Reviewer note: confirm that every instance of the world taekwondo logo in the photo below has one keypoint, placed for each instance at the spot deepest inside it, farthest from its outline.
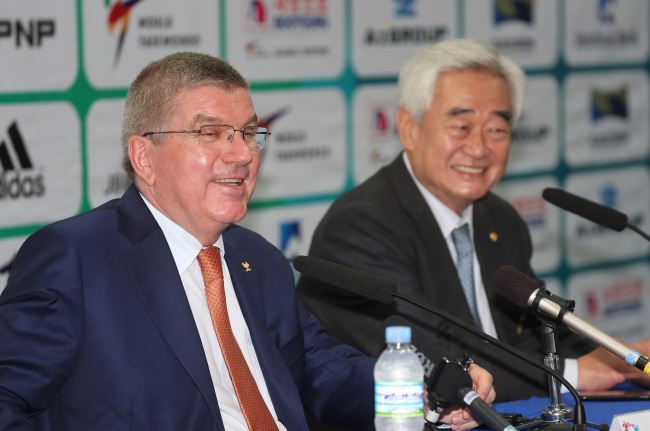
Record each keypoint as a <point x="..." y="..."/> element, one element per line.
<point x="120" y="14"/>
<point x="605" y="14"/>
<point x="513" y="10"/>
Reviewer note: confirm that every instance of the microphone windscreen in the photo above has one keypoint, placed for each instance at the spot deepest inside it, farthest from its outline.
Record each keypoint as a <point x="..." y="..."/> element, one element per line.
<point x="599" y="214"/>
<point x="514" y="285"/>
<point x="371" y="286"/>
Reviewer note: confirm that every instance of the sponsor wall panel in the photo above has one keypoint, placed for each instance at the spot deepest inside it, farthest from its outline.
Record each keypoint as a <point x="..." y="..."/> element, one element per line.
<point x="607" y="117"/>
<point x="120" y="38"/>
<point x="605" y="32"/>
<point x="38" y="51"/>
<point x="396" y="30"/>
<point x="290" y="228"/>
<point x="106" y="178"/>
<point x="616" y="301"/>
<point x="625" y="190"/>
<point x="306" y="154"/>
<point x="286" y="40"/>
<point x="525" y="31"/>
<point x="375" y="130"/>
<point x="41" y="160"/>
<point x="323" y="76"/>
<point x="541" y="218"/>
<point x="535" y="136"/>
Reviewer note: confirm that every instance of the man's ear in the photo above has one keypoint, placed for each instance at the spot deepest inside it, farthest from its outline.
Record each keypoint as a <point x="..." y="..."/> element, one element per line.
<point x="407" y="128"/>
<point x="139" y="154"/>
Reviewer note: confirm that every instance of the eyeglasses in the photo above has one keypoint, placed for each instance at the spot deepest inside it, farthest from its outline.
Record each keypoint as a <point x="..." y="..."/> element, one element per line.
<point x="219" y="136"/>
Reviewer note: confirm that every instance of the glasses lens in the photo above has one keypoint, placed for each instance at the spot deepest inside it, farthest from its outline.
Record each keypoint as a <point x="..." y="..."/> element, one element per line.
<point x="219" y="136"/>
<point x="216" y="136"/>
<point x="255" y="137"/>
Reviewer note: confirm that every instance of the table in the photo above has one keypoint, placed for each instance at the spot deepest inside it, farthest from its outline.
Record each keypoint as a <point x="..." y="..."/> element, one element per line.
<point x="600" y="412"/>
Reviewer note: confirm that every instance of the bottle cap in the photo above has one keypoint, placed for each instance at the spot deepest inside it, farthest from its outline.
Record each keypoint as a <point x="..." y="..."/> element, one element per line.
<point x="398" y="334"/>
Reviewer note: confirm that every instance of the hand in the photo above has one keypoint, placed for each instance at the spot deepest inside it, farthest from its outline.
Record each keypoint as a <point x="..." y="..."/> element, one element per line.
<point x="601" y="370"/>
<point x="461" y="417"/>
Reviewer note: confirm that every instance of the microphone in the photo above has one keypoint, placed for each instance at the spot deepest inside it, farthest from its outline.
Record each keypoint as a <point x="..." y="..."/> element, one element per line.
<point x="449" y="382"/>
<point x="597" y="213"/>
<point x="526" y="292"/>
<point x="384" y="290"/>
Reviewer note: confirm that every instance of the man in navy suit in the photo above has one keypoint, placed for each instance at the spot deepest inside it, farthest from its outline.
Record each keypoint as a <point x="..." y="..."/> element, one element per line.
<point x="104" y="323"/>
<point x="458" y="102"/>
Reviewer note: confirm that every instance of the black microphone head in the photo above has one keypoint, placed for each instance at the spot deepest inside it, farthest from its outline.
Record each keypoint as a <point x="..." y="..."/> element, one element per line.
<point x="514" y="285"/>
<point x="599" y="214"/>
<point x="371" y="286"/>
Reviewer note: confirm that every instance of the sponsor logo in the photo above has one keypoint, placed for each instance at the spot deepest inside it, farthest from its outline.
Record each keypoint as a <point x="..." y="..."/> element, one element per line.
<point x="608" y="104"/>
<point x="18" y="179"/>
<point x="506" y="11"/>
<point x="532" y="209"/>
<point x="120" y="14"/>
<point x="611" y="104"/>
<point x="605" y="13"/>
<point x="257" y="14"/>
<point x="285" y="15"/>
<point x="286" y="141"/>
<point x="154" y="31"/>
<point x="513" y="10"/>
<point x="381" y="123"/>
<point x="31" y="33"/>
<point x="618" y="299"/>
<point x="404" y="35"/>
<point x="405" y="8"/>
<point x="607" y="37"/>
<point x="289" y="232"/>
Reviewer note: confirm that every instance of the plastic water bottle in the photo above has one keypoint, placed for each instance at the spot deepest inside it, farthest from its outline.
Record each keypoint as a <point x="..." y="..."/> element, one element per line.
<point x="399" y="392"/>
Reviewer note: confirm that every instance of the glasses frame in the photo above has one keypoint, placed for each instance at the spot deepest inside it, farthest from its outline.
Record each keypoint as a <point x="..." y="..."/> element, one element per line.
<point x="265" y="131"/>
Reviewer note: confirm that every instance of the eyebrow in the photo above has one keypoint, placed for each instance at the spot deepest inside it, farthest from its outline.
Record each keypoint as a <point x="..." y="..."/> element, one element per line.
<point x="455" y="112"/>
<point x="205" y="119"/>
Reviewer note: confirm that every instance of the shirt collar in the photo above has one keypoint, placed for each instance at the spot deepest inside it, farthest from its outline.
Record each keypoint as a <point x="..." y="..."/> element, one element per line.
<point x="183" y="245"/>
<point x="447" y="219"/>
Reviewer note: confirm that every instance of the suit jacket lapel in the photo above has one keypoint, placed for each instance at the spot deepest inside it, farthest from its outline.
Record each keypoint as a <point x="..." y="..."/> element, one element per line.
<point x="153" y="271"/>
<point x="446" y="289"/>
<point x="248" y="288"/>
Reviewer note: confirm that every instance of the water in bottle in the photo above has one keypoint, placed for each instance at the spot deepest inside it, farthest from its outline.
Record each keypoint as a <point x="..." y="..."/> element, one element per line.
<point x="399" y="393"/>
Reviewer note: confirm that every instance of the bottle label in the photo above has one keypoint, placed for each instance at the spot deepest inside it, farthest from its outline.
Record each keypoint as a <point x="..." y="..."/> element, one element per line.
<point x="404" y="399"/>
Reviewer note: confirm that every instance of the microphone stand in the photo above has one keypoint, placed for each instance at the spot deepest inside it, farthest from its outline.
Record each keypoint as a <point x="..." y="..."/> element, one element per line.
<point x="556" y="411"/>
<point x="579" y="421"/>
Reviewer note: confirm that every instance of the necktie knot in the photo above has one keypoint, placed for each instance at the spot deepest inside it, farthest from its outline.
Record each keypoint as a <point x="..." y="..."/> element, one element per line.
<point x="210" y="262"/>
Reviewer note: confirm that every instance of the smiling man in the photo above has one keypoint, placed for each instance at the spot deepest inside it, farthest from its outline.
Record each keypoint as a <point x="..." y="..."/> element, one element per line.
<point x="429" y="221"/>
<point x="154" y="311"/>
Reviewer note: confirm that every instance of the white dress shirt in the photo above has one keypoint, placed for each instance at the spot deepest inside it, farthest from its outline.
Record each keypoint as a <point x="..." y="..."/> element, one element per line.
<point x="448" y="220"/>
<point x="185" y="248"/>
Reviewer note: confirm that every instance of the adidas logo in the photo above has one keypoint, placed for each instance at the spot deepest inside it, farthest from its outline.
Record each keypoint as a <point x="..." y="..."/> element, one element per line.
<point x="14" y="181"/>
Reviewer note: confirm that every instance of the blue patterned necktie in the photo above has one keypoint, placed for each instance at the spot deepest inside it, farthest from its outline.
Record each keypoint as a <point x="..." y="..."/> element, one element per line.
<point x="465" y="267"/>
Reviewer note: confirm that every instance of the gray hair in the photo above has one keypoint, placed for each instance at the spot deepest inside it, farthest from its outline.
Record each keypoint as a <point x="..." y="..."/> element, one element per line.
<point x="150" y="100"/>
<point x="418" y="77"/>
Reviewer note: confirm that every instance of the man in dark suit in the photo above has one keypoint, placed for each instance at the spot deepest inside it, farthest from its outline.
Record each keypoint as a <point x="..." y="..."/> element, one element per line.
<point x="458" y="101"/>
<point x="154" y="311"/>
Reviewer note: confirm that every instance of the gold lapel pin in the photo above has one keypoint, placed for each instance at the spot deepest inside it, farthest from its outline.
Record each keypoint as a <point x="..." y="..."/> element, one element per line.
<point x="245" y="265"/>
<point x="494" y="237"/>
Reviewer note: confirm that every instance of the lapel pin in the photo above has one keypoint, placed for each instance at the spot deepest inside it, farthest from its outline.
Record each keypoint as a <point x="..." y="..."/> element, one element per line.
<point x="246" y="265"/>
<point x="494" y="237"/>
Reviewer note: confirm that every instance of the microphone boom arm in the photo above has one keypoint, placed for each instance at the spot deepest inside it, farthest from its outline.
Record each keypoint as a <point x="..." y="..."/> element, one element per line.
<point x="579" y="411"/>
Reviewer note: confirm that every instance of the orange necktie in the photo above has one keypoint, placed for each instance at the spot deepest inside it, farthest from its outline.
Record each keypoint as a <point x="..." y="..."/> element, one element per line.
<point x="256" y="413"/>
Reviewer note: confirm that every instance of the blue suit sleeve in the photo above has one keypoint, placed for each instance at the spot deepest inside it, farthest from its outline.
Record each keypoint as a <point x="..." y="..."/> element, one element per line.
<point x="41" y="327"/>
